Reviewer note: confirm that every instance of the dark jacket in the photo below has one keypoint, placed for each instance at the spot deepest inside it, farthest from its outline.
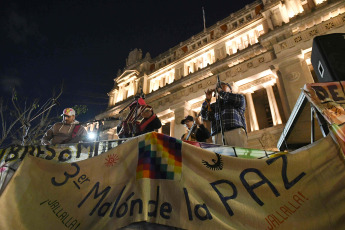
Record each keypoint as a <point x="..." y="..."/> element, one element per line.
<point x="199" y="133"/>
<point x="232" y="108"/>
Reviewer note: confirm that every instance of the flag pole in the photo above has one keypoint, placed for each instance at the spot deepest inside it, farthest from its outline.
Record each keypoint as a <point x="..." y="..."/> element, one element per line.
<point x="203" y="15"/>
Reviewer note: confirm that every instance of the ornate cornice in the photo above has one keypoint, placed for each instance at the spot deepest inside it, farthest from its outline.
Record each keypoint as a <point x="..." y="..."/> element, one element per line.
<point x="306" y="35"/>
<point x="257" y="84"/>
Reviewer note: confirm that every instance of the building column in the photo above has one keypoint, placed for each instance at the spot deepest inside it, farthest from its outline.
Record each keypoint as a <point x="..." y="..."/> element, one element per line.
<point x="120" y="94"/>
<point x="267" y="15"/>
<point x="116" y="94"/>
<point x="145" y="83"/>
<point x="111" y="100"/>
<point x="131" y="89"/>
<point x="172" y="128"/>
<point x="284" y="13"/>
<point x="294" y="74"/>
<point x="180" y="111"/>
<point x="273" y="105"/>
<point x="252" y="114"/>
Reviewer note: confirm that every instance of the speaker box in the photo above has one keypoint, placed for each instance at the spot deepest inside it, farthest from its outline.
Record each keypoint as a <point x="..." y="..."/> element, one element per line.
<point x="328" y="57"/>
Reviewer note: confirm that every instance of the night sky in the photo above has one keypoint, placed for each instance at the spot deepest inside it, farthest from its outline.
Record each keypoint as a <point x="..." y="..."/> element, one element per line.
<point x="84" y="43"/>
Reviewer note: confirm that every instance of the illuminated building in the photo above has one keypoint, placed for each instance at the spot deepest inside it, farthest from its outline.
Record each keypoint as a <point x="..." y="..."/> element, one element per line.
<point x="263" y="51"/>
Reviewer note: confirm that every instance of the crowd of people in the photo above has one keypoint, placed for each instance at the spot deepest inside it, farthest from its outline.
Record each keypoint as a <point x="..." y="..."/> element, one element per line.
<point x="226" y="115"/>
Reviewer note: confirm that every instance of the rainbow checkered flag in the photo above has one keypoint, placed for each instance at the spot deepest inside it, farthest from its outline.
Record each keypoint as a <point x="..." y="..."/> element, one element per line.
<point x="160" y="157"/>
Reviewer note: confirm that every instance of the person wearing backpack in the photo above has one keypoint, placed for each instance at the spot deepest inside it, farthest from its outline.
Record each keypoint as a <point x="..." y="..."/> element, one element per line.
<point x="67" y="131"/>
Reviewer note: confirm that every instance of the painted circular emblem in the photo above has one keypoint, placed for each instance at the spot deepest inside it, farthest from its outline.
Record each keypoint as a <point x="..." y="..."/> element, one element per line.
<point x="111" y="160"/>
<point x="294" y="76"/>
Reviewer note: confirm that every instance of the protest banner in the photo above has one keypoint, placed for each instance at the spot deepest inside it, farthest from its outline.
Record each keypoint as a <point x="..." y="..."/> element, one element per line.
<point x="159" y="179"/>
<point x="12" y="156"/>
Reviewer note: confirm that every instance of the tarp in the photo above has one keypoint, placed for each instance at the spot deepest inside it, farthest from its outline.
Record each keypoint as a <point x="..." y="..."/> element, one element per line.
<point x="159" y="179"/>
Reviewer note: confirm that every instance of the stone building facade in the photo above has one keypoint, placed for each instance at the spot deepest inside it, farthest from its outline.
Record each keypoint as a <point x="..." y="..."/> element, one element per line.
<point x="263" y="51"/>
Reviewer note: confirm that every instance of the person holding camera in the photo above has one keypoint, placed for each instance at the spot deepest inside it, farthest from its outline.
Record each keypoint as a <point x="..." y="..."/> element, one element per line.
<point x="196" y="131"/>
<point x="229" y="108"/>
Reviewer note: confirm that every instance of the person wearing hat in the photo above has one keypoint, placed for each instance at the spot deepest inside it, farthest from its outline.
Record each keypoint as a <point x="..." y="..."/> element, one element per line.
<point x="232" y="108"/>
<point x="149" y="123"/>
<point x="67" y="131"/>
<point x="195" y="130"/>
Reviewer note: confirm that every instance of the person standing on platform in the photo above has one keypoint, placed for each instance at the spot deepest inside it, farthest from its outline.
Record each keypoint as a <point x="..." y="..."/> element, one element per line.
<point x="67" y="131"/>
<point x="195" y="130"/>
<point x="232" y="108"/>
<point x="149" y="123"/>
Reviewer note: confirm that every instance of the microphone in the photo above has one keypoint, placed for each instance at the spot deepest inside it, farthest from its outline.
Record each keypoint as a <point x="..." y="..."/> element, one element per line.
<point x="111" y="119"/>
<point x="104" y="119"/>
<point x="142" y="95"/>
<point x="219" y="86"/>
<point x="218" y="83"/>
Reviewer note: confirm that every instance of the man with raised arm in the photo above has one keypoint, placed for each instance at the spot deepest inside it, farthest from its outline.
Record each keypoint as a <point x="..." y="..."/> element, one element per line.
<point x="232" y="108"/>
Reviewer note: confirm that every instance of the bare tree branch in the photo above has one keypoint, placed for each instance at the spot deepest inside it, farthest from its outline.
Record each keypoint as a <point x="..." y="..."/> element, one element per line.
<point x="24" y="122"/>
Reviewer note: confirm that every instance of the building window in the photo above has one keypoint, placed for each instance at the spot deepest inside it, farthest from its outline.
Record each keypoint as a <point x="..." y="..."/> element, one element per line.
<point x="125" y="92"/>
<point x="279" y="104"/>
<point x="245" y="42"/>
<point x="162" y="80"/>
<point x="179" y="72"/>
<point x="166" y="129"/>
<point x="200" y="62"/>
<point x="262" y="108"/>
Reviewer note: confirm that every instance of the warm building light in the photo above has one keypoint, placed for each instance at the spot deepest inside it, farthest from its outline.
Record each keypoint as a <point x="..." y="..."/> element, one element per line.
<point x="119" y="96"/>
<point x="269" y="83"/>
<point x="165" y="112"/>
<point x="260" y="28"/>
<point x="250" y="90"/>
<point x="161" y="80"/>
<point x="197" y="110"/>
<point x="130" y="90"/>
<point x="291" y="13"/>
<point x="239" y="43"/>
<point x="319" y="1"/>
<point x="254" y="77"/>
<point x="199" y="62"/>
<point x="196" y="100"/>
<point x="306" y="51"/>
<point x="169" y="120"/>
